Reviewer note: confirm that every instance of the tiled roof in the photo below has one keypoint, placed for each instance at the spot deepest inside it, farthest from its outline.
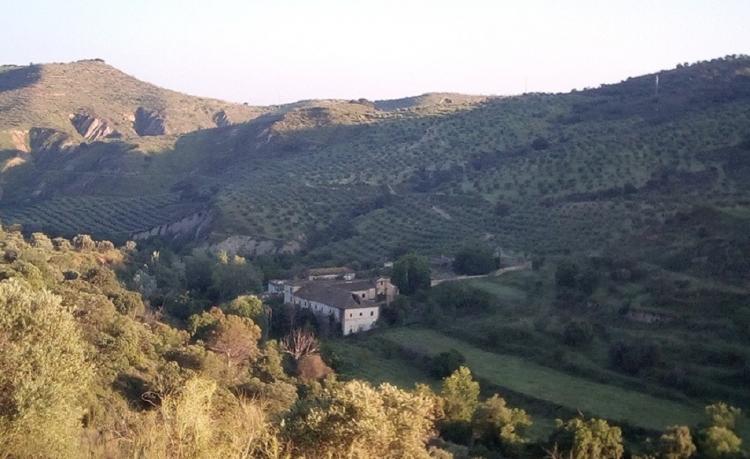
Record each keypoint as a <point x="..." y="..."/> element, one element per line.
<point x="355" y="285"/>
<point x="332" y="295"/>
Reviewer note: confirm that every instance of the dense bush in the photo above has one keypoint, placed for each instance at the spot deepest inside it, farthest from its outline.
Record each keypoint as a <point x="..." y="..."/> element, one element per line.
<point x="588" y="439"/>
<point x="473" y="260"/>
<point x="632" y="358"/>
<point x="455" y="298"/>
<point x="445" y="363"/>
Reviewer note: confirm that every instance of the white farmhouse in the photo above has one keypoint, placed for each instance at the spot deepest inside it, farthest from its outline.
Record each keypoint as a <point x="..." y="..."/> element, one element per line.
<point x="354" y="304"/>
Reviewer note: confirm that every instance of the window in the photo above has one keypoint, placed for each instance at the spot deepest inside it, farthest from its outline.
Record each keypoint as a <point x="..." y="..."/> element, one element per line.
<point x="350" y="314"/>
<point x="360" y="314"/>
<point x="363" y="295"/>
<point x="372" y="313"/>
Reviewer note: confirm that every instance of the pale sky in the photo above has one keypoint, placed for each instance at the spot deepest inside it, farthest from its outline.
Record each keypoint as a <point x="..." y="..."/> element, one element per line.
<point x="266" y="52"/>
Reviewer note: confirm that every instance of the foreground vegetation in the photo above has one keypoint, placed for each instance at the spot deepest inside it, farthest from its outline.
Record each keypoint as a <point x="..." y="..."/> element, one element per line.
<point x="91" y="370"/>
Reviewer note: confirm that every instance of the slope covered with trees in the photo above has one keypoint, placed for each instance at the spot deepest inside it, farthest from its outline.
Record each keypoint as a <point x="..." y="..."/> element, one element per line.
<point x="535" y="173"/>
<point x="91" y="370"/>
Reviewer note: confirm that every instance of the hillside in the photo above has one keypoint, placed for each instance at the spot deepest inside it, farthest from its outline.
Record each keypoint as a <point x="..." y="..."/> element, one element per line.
<point x="90" y="100"/>
<point x="343" y="180"/>
<point x="628" y="205"/>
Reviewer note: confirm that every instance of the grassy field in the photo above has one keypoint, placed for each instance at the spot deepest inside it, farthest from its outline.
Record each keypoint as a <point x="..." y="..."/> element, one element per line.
<point x="556" y="387"/>
<point x="364" y="359"/>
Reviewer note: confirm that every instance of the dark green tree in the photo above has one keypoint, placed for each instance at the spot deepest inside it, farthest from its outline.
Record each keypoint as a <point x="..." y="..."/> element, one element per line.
<point x="474" y="260"/>
<point x="411" y="273"/>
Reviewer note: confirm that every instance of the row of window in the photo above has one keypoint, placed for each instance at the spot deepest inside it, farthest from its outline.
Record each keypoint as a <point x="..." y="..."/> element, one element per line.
<point x="372" y="313"/>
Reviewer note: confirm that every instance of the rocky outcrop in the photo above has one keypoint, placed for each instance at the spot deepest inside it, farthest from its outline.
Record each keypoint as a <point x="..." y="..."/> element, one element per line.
<point x="91" y="127"/>
<point x="221" y="119"/>
<point x="46" y="139"/>
<point x="250" y="246"/>
<point x="190" y="227"/>
<point x="149" y="122"/>
<point x="20" y="140"/>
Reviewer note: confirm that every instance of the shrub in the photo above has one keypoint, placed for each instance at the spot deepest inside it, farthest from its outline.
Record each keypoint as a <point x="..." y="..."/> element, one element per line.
<point x="588" y="439"/>
<point x="128" y="303"/>
<point x="104" y="246"/>
<point x="445" y="363"/>
<point x="459" y="297"/>
<point x="41" y="241"/>
<point x="634" y="357"/>
<point x="83" y="242"/>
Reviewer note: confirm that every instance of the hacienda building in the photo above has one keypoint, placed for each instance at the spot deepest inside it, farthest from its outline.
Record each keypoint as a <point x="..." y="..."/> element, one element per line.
<point x="355" y="304"/>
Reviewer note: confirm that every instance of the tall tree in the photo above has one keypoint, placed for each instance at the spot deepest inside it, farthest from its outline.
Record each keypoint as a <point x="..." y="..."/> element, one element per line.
<point x="461" y="395"/>
<point x="676" y="443"/>
<point x="495" y="423"/>
<point x="411" y="273"/>
<point x="43" y="373"/>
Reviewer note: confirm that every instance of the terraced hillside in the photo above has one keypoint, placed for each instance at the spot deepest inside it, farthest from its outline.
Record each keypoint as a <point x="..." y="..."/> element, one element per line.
<point x="538" y="173"/>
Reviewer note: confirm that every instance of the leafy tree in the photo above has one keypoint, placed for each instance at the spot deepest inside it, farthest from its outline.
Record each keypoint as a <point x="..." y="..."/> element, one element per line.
<point x="236" y="338"/>
<point x="717" y="442"/>
<point x="723" y="415"/>
<point x="43" y="373"/>
<point x="183" y="306"/>
<point x="356" y="420"/>
<point x="248" y="306"/>
<point x="273" y="360"/>
<point x="676" y="443"/>
<point x="198" y="272"/>
<point x="588" y="439"/>
<point x="233" y="276"/>
<point x="473" y="260"/>
<point x="233" y="336"/>
<point x="396" y="311"/>
<point x="718" y="439"/>
<point x="495" y="423"/>
<point x="411" y="273"/>
<point x="461" y="395"/>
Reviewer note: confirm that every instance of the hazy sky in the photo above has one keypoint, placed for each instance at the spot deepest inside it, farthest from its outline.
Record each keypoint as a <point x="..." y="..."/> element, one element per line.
<point x="265" y="52"/>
